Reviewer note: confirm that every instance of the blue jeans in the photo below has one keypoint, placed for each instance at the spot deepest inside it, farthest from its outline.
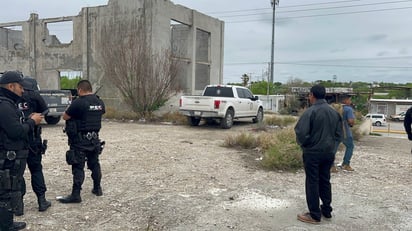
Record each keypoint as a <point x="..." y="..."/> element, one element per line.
<point x="348" y="142"/>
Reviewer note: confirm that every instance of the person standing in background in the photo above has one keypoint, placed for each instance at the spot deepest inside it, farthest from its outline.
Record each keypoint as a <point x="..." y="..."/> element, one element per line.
<point x="348" y="122"/>
<point x="318" y="131"/>
<point x="32" y="102"/>
<point x="407" y="123"/>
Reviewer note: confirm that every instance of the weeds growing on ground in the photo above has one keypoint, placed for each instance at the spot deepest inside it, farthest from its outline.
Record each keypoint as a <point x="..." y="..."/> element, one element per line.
<point x="174" y="117"/>
<point x="282" y="121"/>
<point x="280" y="150"/>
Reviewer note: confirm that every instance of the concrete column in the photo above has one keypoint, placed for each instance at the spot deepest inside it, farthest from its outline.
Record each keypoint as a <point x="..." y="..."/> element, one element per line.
<point x="85" y="43"/>
<point x="32" y="44"/>
<point x="192" y="52"/>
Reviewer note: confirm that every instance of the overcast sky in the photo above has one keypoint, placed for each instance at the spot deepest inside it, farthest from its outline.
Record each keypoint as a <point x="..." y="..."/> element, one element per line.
<point x="346" y="40"/>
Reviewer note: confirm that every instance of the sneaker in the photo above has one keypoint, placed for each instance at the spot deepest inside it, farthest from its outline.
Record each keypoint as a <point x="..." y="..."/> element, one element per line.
<point x="347" y="168"/>
<point x="307" y="218"/>
<point x="333" y="169"/>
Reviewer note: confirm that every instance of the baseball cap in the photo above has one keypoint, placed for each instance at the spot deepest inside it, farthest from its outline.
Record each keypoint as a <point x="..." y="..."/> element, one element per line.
<point x="11" y="77"/>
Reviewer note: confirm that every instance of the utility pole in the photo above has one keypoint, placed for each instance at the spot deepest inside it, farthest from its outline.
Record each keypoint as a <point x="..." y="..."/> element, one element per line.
<point x="274" y="3"/>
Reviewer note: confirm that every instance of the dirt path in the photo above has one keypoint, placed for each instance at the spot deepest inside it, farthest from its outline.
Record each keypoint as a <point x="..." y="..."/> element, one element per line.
<point x="163" y="177"/>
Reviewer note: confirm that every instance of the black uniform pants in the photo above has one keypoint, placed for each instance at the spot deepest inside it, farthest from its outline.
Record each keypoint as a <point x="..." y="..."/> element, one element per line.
<point x="317" y="183"/>
<point x="92" y="159"/>
<point x="36" y="170"/>
<point x="16" y="168"/>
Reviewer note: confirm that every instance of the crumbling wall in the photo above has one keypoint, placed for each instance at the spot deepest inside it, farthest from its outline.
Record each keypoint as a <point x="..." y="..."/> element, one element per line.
<point x="39" y="54"/>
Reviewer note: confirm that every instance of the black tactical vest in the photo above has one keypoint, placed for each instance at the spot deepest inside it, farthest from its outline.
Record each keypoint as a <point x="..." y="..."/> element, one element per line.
<point x="7" y="144"/>
<point x="92" y="119"/>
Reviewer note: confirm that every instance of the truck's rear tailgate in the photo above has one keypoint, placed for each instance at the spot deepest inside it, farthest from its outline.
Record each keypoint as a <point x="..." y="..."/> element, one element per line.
<point x="197" y="103"/>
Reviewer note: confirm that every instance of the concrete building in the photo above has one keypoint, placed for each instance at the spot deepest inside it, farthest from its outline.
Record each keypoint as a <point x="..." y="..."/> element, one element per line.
<point x="37" y="53"/>
<point x="389" y="106"/>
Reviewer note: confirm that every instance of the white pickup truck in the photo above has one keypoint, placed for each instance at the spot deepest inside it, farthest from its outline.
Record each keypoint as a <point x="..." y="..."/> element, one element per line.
<point x="222" y="103"/>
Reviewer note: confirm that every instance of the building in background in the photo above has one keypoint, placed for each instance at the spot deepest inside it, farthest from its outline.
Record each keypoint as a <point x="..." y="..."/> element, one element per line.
<point x="30" y="47"/>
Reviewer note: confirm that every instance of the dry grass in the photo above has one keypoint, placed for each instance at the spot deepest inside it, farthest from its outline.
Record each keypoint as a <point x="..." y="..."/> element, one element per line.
<point x="174" y="117"/>
<point x="281" y="152"/>
<point x="282" y="121"/>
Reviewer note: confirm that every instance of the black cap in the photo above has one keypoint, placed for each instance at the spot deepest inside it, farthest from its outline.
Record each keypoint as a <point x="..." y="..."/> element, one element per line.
<point x="11" y="77"/>
<point x="29" y="84"/>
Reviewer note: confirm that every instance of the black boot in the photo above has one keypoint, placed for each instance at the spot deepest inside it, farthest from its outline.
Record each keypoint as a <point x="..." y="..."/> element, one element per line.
<point x="43" y="203"/>
<point x="97" y="191"/>
<point x="17" y="226"/>
<point x="72" y="198"/>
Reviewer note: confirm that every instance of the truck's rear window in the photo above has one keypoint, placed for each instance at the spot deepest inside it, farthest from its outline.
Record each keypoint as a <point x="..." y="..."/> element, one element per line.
<point x="219" y="91"/>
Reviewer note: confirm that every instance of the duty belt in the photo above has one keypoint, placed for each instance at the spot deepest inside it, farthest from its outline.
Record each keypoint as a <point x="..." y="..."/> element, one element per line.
<point x="12" y="155"/>
<point x="90" y="135"/>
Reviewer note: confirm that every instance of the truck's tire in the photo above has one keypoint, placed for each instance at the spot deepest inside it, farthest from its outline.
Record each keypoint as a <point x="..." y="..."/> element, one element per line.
<point x="227" y="122"/>
<point x="259" y="116"/>
<point x="52" y="119"/>
<point x="193" y="120"/>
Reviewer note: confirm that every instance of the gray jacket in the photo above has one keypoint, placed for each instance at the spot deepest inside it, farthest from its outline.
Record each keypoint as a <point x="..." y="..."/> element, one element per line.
<point x="319" y="129"/>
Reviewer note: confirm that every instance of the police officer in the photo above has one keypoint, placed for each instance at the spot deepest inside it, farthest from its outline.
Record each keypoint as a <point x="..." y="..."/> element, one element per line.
<point x="14" y="132"/>
<point x="83" y="122"/>
<point x="407" y="123"/>
<point x="33" y="102"/>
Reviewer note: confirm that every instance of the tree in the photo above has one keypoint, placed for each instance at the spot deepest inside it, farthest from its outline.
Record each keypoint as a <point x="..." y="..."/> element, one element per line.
<point x="69" y="83"/>
<point x="245" y="79"/>
<point x="146" y="78"/>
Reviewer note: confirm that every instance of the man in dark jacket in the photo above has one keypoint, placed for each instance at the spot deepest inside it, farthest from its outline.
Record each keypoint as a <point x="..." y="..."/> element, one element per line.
<point x="317" y="132"/>
<point x="408" y="122"/>
<point x="14" y="132"/>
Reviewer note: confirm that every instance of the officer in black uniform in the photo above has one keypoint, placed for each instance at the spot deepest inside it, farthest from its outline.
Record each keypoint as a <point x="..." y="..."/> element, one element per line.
<point x="83" y="122"/>
<point x="408" y="122"/>
<point x="33" y="102"/>
<point x="14" y="132"/>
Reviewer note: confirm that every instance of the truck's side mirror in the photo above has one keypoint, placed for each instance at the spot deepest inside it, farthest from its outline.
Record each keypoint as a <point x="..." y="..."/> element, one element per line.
<point x="255" y="98"/>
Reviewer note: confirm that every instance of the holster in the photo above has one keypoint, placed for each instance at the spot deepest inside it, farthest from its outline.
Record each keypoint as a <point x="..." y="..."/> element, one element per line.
<point x="74" y="157"/>
<point x="100" y="147"/>
<point x="43" y="147"/>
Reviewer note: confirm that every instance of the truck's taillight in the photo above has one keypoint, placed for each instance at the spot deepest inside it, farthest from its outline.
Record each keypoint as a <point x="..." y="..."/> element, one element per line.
<point x="180" y="102"/>
<point x="217" y="104"/>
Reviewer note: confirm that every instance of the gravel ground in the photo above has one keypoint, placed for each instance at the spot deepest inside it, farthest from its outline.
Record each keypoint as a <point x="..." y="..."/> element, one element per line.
<point x="168" y="177"/>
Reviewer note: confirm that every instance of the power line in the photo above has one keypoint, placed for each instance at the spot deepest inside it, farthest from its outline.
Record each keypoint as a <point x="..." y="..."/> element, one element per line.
<point x="345" y="65"/>
<point x="301" y="10"/>
<point x="334" y="60"/>
<point x="348" y="6"/>
<point x="316" y="63"/>
<point x="321" y="15"/>
<point x="313" y="4"/>
<point x="322" y="65"/>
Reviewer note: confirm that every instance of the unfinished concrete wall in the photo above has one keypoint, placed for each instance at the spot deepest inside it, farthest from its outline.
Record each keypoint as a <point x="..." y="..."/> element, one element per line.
<point x="37" y="53"/>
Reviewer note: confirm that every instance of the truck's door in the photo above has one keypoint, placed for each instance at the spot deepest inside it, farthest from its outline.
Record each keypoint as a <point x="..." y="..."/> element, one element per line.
<point x="247" y="106"/>
<point x="252" y="108"/>
<point x="243" y="105"/>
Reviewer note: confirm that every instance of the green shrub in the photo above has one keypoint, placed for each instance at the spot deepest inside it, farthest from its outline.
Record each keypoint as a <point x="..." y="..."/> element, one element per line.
<point x="281" y="152"/>
<point x="246" y="141"/>
<point x="284" y="153"/>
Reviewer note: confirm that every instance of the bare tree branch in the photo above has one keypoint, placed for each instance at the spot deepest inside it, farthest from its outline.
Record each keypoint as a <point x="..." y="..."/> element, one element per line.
<point x="145" y="77"/>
